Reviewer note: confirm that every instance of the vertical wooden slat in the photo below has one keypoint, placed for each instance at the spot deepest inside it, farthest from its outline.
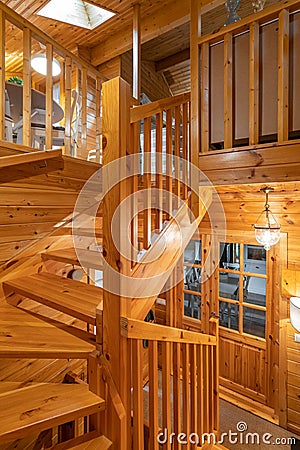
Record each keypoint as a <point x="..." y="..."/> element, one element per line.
<point x="94" y="386"/>
<point x="186" y="389"/>
<point x="177" y="156"/>
<point x="153" y="394"/>
<point x="214" y="330"/>
<point x="169" y="160"/>
<point x="2" y="75"/>
<point x="254" y="84"/>
<point x="138" y="400"/>
<point x="26" y="87"/>
<point x="176" y="392"/>
<point x="283" y="76"/>
<point x="205" y="97"/>
<point x="49" y="96"/>
<point x="84" y="81"/>
<point x="166" y="391"/>
<point x="206" y="399"/>
<point x="193" y="388"/>
<point x="159" y="178"/>
<point x="135" y="149"/>
<point x="62" y="90"/>
<point x="228" y="92"/>
<point x="147" y="182"/>
<point x="136" y="46"/>
<point x="98" y="119"/>
<point x="200" y="381"/>
<point x="68" y="73"/>
<point x="185" y="149"/>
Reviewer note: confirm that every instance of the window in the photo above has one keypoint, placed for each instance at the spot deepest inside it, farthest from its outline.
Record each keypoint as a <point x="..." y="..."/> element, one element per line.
<point x="242" y="288"/>
<point x="192" y="279"/>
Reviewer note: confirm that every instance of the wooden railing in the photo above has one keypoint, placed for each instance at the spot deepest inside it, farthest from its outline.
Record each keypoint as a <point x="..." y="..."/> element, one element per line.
<point x="181" y="393"/>
<point x="248" y="82"/>
<point x="78" y="91"/>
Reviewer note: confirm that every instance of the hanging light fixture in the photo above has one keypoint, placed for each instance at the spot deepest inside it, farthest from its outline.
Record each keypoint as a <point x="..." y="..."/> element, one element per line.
<point x="39" y="64"/>
<point x="295" y="312"/>
<point x="267" y="229"/>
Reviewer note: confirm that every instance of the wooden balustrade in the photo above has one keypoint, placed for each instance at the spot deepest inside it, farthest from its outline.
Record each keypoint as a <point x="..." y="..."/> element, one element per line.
<point x="78" y="90"/>
<point x="248" y="85"/>
<point x="179" y="392"/>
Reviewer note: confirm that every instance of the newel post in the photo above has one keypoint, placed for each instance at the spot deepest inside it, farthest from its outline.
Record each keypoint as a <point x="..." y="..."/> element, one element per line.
<point x="115" y="129"/>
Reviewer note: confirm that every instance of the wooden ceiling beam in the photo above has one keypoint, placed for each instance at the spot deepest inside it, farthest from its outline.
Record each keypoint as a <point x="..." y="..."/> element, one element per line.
<point x="172" y="60"/>
<point x="164" y="19"/>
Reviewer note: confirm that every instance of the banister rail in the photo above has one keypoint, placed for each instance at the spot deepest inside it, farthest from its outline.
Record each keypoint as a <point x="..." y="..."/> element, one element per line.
<point x="78" y="91"/>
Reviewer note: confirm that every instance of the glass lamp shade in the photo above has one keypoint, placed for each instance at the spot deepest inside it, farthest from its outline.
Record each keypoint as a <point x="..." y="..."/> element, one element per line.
<point x="267" y="229"/>
<point x="39" y="64"/>
<point x="295" y="312"/>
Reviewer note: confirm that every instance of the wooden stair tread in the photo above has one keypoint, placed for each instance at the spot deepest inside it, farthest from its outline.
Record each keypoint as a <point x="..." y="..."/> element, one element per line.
<point x="99" y="443"/>
<point x="88" y="258"/>
<point x="71" y="297"/>
<point x="25" y="336"/>
<point x="43" y="406"/>
<point x="25" y="158"/>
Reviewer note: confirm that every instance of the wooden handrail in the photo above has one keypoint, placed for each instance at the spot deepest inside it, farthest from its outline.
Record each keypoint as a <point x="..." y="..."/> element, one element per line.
<point x="143" y="111"/>
<point x="138" y="329"/>
<point x="22" y="23"/>
<point x="260" y="17"/>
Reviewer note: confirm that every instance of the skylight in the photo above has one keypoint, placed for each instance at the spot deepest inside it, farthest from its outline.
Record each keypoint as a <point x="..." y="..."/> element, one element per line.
<point x="76" y="12"/>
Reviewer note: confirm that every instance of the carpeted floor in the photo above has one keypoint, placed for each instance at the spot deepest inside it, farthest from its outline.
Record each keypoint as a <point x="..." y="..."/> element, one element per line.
<point x="234" y="418"/>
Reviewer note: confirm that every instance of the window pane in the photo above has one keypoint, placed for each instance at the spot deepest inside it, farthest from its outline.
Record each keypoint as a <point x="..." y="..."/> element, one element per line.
<point x="255" y="290"/>
<point x="192" y="305"/>
<point x="229" y="315"/>
<point x="254" y="259"/>
<point x="229" y="285"/>
<point x="192" y="253"/>
<point x="230" y="256"/>
<point x="254" y="322"/>
<point x="192" y="279"/>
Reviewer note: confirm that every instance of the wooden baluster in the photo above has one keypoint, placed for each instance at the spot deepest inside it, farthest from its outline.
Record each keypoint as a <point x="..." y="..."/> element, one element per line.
<point x="228" y="92"/>
<point x="159" y="178"/>
<point x="26" y="87"/>
<point x="283" y="76"/>
<point x="205" y="97"/>
<point x="138" y="395"/>
<point x="68" y="73"/>
<point x="176" y="393"/>
<point x="49" y="96"/>
<point x="135" y="146"/>
<point x="84" y="90"/>
<point x="136" y="46"/>
<point x="207" y="399"/>
<point x="185" y="141"/>
<point x="98" y="120"/>
<point x="147" y="182"/>
<point x="200" y="399"/>
<point x="177" y="157"/>
<point x="2" y="75"/>
<point x="186" y="389"/>
<point x="193" y="387"/>
<point x="153" y="394"/>
<point x="166" y="391"/>
<point x="214" y="330"/>
<point x="169" y="160"/>
<point x="254" y="84"/>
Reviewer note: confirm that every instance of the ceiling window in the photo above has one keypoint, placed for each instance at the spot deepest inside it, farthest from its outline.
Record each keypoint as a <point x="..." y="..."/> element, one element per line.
<point x="76" y="12"/>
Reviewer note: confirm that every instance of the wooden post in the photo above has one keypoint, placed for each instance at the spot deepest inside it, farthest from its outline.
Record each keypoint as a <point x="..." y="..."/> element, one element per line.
<point x="98" y="119"/>
<point x="205" y="97"/>
<point x="283" y="76"/>
<point x="26" y="87"/>
<point x="115" y="346"/>
<point x="254" y="84"/>
<point x="214" y="330"/>
<point x="49" y="96"/>
<point x="136" y="69"/>
<point x="84" y="81"/>
<point x="68" y="106"/>
<point x="228" y="91"/>
<point x="2" y="75"/>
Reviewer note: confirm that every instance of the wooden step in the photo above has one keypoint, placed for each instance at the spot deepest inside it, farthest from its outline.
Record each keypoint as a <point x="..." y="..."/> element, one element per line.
<point x="31" y="157"/>
<point x="88" y="258"/>
<point x="99" y="443"/>
<point x="71" y="297"/>
<point x="25" y="336"/>
<point x="42" y="406"/>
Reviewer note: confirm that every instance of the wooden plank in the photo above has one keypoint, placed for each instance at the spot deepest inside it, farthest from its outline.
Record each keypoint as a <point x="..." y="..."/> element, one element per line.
<point x="166" y="390"/>
<point x="169" y="162"/>
<point x="141" y="112"/>
<point x="26" y="87"/>
<point x="83" y="152"/>
<point x="98" y="120"/>
<point x="177" y="155"/>
<point x="283" y="75"/>
<point x="43" y="340"/>
<point x="254" y="84"/>
<point x="48" y="404"/>
<point x="185" y="152"/>
<point x="137" y="329"/>
<point x="88" y="441"/>
<point x="153" y="394"/>
<point x="2" y="75"/>
<point x="147" y="183"/>
<point x="86" y="258"/>
<point x="186" y="388"/>
<point x="49" y="96"/>
<point x="27" y="158"/>
<point x="136" y="50"/>
<point x="205" y="120"/>
<point x="159" y="178"/>
<point x="68" y="88"/>
<point x="138" y="395"/>
<point x="228" y="91"/>
<point x="193" y="390"/>
<point x="176" y="392"/>
<point x="59" y="293"/>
